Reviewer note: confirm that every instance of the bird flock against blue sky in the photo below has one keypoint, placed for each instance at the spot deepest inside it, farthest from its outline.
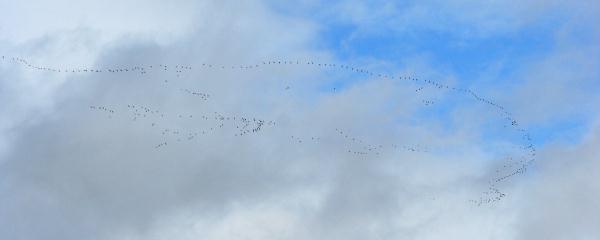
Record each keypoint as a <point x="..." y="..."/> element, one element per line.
<point x="299" y="120"/>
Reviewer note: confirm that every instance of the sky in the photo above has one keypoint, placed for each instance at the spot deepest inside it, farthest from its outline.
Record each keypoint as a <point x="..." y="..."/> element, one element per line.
<point x="299" y="120"/>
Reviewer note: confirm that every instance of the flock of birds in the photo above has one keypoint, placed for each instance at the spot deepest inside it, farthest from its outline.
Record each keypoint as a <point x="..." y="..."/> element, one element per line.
<point x="246" y="125"/>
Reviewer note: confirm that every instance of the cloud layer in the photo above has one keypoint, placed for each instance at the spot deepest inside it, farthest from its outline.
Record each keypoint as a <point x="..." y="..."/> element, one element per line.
<point x="179" y="150"/>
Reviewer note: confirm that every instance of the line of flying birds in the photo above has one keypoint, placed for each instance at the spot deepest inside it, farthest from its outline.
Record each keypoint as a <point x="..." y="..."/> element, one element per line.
<point x="247" y="125"/>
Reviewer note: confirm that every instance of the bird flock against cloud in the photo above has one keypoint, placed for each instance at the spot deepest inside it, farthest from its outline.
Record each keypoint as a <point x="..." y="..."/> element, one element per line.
<point x="192" y="124"/>
<point x="126" y="120"/>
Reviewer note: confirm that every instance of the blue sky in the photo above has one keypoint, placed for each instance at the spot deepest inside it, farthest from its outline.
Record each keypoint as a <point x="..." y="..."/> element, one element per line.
<point x="467" y="51"/>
